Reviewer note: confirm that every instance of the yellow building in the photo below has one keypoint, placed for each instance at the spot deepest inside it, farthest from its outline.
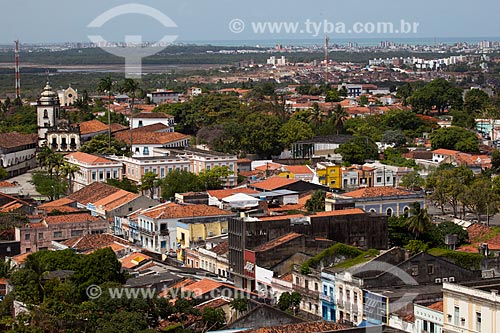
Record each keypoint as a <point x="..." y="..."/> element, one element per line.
<point x="188" y="233"/>
<point x="329" y="175"/>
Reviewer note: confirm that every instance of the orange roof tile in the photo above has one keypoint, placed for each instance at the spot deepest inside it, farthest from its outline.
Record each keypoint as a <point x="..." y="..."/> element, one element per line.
<point x="442" y="151"/>
<point x="115" y="200"/>
<point x="92" y="126"/>
<point x="372" y="192"/>
<point x="299" y="169"/>
<point x="172" y="210"/>
<point x="88" y="158"/>
<point x="93" y="192"/>
<point x="273" y="183"/>
<point x="438" y="306"/>
<point x="150" y="138"/>
<point x="94" y="241"/>
<point x="221" y="194"/>
<point x="213" y="304"/>
<point x="352" y="211"/>
<point x="133" y="259"/>
<point x="7" y="184"/>
<point x="269" y="167"/>
<point x="71" y="218"/>
<point x="277" y="242"/>
<point x="58" y="202"/>
<point x="14" y="139"/>
<point x="202" y="287"/>
<point x="221" y="248"/>
<point x="307" y="327"/>
<point x="153" y="115"/>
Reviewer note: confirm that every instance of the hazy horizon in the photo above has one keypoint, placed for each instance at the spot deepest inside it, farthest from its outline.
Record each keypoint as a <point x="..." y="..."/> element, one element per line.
<point x="61" y="21"/>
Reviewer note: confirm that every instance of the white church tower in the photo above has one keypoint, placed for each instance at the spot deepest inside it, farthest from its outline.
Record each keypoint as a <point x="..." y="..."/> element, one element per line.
<point x="47" y="110"/>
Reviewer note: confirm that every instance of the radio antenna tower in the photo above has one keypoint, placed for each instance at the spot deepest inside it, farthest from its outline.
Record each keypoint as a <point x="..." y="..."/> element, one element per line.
<point x="18" y="73"/>
<point x="327" y="40"/>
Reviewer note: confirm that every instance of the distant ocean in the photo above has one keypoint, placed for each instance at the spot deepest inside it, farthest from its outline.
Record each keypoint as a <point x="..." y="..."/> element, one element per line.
<point x="340" y="41"/>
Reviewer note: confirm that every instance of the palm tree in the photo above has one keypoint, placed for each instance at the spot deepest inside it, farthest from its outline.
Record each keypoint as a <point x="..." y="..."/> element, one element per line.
<point x="69" y="170"/>
<point x="44" y="156"/>
<point x="339" y="117"/>
<point x="130" y="86"/>
<point x="106" y="86"/>
<point x="419" y="221"/>
<point x="316" y="116"/>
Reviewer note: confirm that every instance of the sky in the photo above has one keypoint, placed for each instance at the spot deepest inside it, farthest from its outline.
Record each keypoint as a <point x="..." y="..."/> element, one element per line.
<point x="48" y="21"/>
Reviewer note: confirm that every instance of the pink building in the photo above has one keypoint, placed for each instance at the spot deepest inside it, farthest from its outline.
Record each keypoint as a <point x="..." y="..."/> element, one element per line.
<point x="39" y="236"/>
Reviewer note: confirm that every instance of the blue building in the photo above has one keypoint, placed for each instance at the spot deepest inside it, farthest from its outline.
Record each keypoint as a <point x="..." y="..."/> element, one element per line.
<point x="327" y="295"/>
<point x="385" y="200"/>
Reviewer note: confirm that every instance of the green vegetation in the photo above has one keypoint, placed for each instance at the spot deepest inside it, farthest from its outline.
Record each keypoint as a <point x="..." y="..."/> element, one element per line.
<point x="100" y="145"/>
<point x="124" y="184"/>
<point x="358" y="150"/>
<point x="364" y="257"/>
<point x="455" y="138"/>
<point x="317" y="202"/>
<point x="328" y="256"/>
<point x="289" y="301"/>
<point x="463" y="259"/>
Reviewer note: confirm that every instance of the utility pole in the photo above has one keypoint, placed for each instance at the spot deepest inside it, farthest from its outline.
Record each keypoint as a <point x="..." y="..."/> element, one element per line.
<point x="18" y="72"/>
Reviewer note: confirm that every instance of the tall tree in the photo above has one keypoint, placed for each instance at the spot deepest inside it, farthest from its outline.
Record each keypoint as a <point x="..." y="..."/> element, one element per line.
<point x="106" y="86"/>
<point x="339" y="115"/>
<point x="419" y="221"/>
<point x="69" y="171"/>
<point x="149" y="181"/>
<point x="130" y="86"/>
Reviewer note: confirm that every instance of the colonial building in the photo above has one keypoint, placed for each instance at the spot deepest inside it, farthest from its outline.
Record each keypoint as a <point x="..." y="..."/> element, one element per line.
<point x="68" y="96"/>
<point x="57" y="133"/>
<point x="471" y="307"/>
<point x="39" y="236"/>
<point x="388" y="201"/>
<point x="150" y="118"/>
<point x="17" y="152"/>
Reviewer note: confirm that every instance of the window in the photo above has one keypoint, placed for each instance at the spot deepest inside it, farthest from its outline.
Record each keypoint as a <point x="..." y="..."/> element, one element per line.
<point x="115" y="174"/>
<point x="140" y="123"/>
<point x="379" y="179"/>
<point x="325" y="290"/>
<point x="40" y="235"/>
<point x="162" y="172"/>
<point x="297" y="280"/>
<point x="93" y="175"/>
<point x="307" y="284"/>
<point x="430" y="269"/>
<point x="57" y="234"/>
<point x="457" y="314"/>
<point x="145" y="151"/>
<point x="45" y="114"/>
<point x="316" y="287"/>
<point x="75" y="233"/>
<point x="101" y="175"/>
<point x="27" y="236"/>
<point x="28" y="249"/>
<point x="478" y="321"/>
<point x="108" y="174"/>
<point x="355" y="298"/>
<point x="414" y="270"/>
<point x="389" y="212"/>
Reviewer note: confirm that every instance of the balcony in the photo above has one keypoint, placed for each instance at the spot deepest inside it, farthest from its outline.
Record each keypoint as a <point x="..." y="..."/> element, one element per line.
<point x="164" y="232"/>
<point x="306" y="292"/>
<point x="145" y="231"/>
<point x="326" y="298"/>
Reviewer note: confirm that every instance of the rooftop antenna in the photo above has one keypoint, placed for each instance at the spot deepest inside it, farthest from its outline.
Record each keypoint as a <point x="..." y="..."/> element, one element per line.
<point x="18" y="72"/>
<point x="327" y="40"/>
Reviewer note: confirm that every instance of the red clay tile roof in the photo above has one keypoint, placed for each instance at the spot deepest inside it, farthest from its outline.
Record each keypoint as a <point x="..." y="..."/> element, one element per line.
<point x="133" y="259"/>
<point x="117" y="127"/>
<point x="307" y="327"/>
<point x="351" y="211"/>
<point x="287" y="277"/>
<point x="92" y="193"/>
<point x="158" y="127"/>
<point x="115" y="200"/>
<point x="442" y="151"/>
<point x="299" y="206"/>
<point x="92" y="126"/>
<point x="479" y="234"/>
<point x="7" y="184"/>
<point x="71" y="218"/>
<point x="94" y="242"/>
<point x="14" y="139"/>
<point x="61" y="209"/>
<point x="438" y="306"/>
<point x="213" y="304"/>
<point x="153" y="115"/>
<point x="172" y="210"/>
<point x="202" y="287"/>
<point x="269" y="167"/>
<point x="149" y="138"/>
<point x="221" y="194"/>
<point x="87" y="158"/>
<point x="57" y="203"/>
<point x="277" y="242"/>
<point x="280" y="217"/>
<point x="221" y="248"/>
<point x="298" y="169"/>
<point x="273" y="183"/>
<point x="372" y="192"/>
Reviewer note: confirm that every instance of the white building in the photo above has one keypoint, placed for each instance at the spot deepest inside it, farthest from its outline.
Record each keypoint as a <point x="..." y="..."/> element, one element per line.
<point x="161" y="96"/>
<point x="92" y="168"/>
<point x="151" y="118"/>
<point x="471" y="307"/>
<point x="17" y="152"/>
<point x="428" y="318"/>
<point x="68" y="97"/>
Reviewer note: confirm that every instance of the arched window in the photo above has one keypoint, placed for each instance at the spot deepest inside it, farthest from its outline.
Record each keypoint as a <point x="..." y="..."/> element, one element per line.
<point x="406" y="211"/>
<point x="389" y="211"/>
<point x="45" y="114"/>
<point x="373" y="211"/>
